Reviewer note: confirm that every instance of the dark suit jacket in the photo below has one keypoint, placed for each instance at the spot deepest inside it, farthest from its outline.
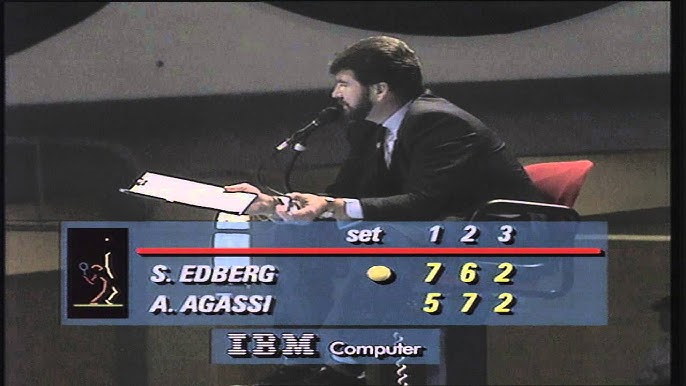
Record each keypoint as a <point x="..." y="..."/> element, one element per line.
<point x="445" y="163"/>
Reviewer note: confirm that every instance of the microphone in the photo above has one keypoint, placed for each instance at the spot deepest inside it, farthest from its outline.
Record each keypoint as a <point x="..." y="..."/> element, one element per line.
<point x="324" y="117"/>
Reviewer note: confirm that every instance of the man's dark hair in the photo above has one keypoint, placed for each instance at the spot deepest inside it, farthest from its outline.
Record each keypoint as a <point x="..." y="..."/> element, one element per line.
<point x="382" y="59"/>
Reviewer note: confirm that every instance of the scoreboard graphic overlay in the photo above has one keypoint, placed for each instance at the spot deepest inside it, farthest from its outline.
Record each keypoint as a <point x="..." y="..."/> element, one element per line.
<point x="371" y="291"/>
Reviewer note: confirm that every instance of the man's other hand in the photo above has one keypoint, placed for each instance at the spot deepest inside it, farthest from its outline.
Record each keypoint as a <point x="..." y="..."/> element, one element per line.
<point x="264" y="204"/>
<point x="310" y="207"/>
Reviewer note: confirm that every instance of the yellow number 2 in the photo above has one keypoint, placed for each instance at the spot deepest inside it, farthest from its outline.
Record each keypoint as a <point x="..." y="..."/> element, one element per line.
<point x="505" y="277"/>
<point x="505" y="307"/>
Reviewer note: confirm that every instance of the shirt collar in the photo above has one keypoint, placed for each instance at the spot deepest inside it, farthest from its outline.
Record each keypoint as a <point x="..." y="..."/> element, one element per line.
<point x="393" y="122"/>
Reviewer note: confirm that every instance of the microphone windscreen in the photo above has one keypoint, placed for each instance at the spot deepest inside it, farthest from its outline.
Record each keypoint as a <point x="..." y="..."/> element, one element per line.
<point x="328" y="115"/>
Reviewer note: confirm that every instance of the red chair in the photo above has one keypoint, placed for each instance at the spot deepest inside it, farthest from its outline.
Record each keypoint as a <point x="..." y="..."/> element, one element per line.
<point x="560" y="181"/>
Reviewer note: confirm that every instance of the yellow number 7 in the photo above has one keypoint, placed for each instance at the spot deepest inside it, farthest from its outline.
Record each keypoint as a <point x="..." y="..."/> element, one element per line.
<point x="435" y="273"/>
<point x="471" y="303"/>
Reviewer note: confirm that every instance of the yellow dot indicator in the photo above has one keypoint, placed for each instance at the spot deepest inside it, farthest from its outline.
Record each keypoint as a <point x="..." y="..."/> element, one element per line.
<point x="379" y="273"/>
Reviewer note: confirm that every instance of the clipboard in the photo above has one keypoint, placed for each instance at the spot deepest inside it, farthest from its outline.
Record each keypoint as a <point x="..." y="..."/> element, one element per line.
<point x="182" y="191"/>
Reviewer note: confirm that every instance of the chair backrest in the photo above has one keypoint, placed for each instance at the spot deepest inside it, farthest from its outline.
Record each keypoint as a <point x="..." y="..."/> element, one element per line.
<point x="560" y="181"/>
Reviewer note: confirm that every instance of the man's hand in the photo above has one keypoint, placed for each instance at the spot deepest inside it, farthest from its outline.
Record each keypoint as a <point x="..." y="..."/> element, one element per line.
<point x="311" y="206"/>
<point x="264" y="204"/>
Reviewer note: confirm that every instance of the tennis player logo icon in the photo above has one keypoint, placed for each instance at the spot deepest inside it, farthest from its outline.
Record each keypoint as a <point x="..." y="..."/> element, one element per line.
<point x="102" y="278"/>
<point x="97" y="273"/>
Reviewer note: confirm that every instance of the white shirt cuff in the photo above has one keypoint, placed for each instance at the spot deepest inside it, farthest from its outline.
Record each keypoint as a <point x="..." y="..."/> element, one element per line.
<point x="353" y="208"/>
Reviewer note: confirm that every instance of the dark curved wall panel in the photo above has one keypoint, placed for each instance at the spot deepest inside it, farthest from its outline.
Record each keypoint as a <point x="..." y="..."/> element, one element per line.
<point x="535" y="117"/>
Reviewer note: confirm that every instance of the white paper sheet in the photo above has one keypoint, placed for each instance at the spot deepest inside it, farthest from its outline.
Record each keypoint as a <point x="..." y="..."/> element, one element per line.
<point x="189" y="192"/>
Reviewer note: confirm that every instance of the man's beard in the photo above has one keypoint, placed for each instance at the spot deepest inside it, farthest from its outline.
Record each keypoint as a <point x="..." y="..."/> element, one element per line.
<point x="359" y="112"/>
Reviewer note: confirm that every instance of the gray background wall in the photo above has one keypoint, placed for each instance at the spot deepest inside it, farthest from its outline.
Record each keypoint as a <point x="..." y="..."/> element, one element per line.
<point x="224" y="48"/>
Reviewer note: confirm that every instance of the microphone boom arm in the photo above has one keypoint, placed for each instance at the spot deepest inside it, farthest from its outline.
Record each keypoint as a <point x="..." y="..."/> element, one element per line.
<point x="297" y="139"/>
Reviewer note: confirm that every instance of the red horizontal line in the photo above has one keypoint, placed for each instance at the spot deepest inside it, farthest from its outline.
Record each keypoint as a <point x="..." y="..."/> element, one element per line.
<point x="369" y="251"/>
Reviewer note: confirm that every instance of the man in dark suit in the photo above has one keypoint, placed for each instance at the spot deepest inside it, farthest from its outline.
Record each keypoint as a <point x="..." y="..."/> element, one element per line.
<point x="414" y="156"/>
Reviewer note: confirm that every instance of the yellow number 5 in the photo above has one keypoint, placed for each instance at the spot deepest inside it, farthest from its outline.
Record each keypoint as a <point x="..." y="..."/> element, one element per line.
<point x="433" y="304"/>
